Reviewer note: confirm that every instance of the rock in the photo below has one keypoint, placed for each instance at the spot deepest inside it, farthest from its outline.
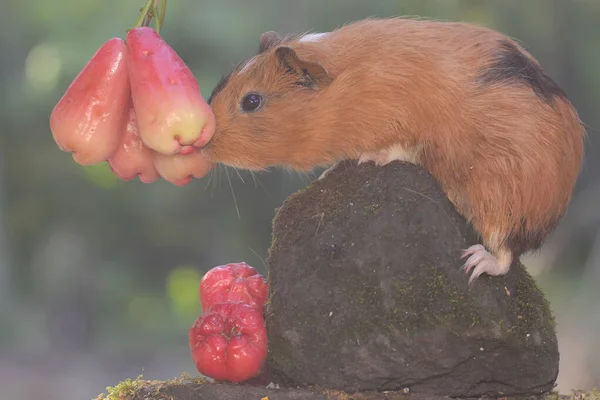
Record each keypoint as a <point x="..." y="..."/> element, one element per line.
<point x="224" y="391"/>
<point x="367" y="294"/>
<point x="197" y="389"/>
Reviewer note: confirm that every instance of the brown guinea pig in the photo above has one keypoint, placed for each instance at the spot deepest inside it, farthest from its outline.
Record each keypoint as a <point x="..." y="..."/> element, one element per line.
<point x="466" y="103"/>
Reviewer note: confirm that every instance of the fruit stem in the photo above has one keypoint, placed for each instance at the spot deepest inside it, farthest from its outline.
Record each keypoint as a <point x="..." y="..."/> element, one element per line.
<point x="146" y="12"/>
<point x="149" y="11"/>
<point x="161" y="15"/>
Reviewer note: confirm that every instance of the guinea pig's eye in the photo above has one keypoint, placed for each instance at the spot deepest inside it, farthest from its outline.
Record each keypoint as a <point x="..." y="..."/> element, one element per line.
<point x="252" y="102"/>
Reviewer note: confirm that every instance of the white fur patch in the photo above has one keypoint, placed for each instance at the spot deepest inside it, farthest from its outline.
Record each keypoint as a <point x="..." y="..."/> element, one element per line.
<point x="394" y="153"/>
<point x="248" y="65"/>
<point x="313" y="37"/>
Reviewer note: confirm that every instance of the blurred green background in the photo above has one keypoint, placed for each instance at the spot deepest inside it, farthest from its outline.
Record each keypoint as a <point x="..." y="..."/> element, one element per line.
<point x="99" y="277"/>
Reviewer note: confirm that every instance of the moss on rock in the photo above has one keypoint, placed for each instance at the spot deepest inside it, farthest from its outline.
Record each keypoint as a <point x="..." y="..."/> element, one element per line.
<point x="187" y="388"/>
<point x="368" y="294"/>
<point x="139" y="388"/>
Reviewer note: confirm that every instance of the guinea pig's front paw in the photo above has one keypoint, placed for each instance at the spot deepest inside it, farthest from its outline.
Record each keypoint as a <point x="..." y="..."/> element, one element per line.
<point x="379" y="158"/>
<point x="482" y="261"/>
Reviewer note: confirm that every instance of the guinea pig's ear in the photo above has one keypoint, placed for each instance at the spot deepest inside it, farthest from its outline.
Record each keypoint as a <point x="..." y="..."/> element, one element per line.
<point x="310" y="74"/>
<point x="268" y="40"/>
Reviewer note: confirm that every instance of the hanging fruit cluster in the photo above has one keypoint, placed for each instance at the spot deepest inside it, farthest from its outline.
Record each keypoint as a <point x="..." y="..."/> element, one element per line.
<point x="137" y="105"/>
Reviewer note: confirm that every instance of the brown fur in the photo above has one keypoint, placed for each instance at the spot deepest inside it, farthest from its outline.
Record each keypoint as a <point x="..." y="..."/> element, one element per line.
<point x="474" y="108"/>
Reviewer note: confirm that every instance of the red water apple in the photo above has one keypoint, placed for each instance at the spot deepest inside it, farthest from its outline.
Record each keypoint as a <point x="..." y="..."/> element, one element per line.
<point x="180" y="169"/>
<point x="88" y="118"/>
<point x="132" y="158"/>
<point x="229" y="342"/>
<point x="173" y="116"/>
<point x="233" y="282"/>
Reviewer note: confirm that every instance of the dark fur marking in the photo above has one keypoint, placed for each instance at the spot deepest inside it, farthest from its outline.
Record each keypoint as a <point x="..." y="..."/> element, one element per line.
<point x="220" y="86"/>
<point x="513" y="66"/>
<point x="268" y="40"/>
<point x="225" y="79"/>
<point x="522" y="240"/>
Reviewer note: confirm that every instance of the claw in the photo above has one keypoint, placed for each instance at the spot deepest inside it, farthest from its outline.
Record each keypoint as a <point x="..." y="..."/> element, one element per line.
<point x="471" y="250"/>
<point x="481" y="261"/>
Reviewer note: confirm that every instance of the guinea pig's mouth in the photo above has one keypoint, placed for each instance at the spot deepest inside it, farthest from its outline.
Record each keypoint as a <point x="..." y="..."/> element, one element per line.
<point x="207" y="133"/>
<point x="206" y="149"/>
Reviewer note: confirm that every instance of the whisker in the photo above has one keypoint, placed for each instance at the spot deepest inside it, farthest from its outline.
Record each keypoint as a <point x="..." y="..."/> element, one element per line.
<point x="260" y="258"/>
<point x="254" y="179"/>
<point x="215" y="180"/>
<point x="240" y="176"/>
<point x="233" y="194"/>
<point x="261" y="184"/>
<point x="210" y="177"/>
<point x="220" y="176"/>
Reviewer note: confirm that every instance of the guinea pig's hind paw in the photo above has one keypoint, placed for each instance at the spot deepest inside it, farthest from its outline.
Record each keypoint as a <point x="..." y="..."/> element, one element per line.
<point x="482" y="261"/>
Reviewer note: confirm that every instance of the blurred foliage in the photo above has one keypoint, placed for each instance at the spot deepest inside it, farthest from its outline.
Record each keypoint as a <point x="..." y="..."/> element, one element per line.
<point x="89" y="262"/>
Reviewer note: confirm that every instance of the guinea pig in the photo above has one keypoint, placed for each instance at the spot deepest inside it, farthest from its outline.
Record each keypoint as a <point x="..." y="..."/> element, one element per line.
<point x="466" y="103"/>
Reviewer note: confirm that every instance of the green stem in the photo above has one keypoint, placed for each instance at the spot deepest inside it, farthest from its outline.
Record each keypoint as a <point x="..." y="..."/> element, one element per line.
<point x="157" y="21"/>
<point x="161" y="16"/>
<point x="144" y="14"/>
<point x="149" y="11"/>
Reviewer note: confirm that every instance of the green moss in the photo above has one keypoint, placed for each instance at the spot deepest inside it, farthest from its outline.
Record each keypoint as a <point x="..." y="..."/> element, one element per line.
<point x="333" y="201"/>
<point x="450" y="305"/>
<point x="575" y="395"/>
<point x="372" y="209"/>
<point x="124" y="390"/>
<point x="440" y="303"/>
<point x="531" y="310"/>
<point x="128" y="389"/>
<point x="273" y="243"/>
<point x="304" y="189"/>
<point x="528" y="285"/>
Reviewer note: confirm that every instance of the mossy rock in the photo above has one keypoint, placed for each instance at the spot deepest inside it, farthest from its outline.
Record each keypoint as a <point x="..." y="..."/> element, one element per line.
<point x="367" y="294"/>
<point x="187" y="388"/>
